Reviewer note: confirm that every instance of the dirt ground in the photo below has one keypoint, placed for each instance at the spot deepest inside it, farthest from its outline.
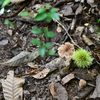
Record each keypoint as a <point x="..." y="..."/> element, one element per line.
<point x="85" y="31"/>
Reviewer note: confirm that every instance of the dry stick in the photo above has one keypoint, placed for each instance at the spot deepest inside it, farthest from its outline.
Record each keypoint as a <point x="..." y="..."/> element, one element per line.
<point x="66" y="32"/>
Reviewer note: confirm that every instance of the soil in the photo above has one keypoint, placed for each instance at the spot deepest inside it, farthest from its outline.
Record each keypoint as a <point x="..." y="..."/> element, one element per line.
<point x="18" y="39"/>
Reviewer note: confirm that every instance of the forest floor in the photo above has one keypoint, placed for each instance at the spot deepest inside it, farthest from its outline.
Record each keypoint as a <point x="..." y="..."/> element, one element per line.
<point x="81" y="20"/>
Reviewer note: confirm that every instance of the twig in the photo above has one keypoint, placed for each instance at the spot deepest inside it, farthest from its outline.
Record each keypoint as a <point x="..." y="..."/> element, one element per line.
<point x="66" y="32"/>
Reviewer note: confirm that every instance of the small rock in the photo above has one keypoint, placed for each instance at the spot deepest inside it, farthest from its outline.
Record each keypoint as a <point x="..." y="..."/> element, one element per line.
<point x="26" y="92"/>
<point x="3" y="42"/>
<point x="82" y="83"/>
<point x="10" y="32"/>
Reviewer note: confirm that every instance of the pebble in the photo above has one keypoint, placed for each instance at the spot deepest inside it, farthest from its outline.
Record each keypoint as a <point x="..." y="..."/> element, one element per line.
<point x="82" y="83"/>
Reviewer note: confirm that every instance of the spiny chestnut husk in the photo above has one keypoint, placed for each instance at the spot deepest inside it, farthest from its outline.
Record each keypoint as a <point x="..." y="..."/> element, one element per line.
<point x="82" y="58"/>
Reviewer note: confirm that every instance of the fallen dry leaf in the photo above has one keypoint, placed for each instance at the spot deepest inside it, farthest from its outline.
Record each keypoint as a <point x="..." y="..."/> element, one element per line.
<point x="58" y="91"/>
<point x="23" y="57"/>
<point x="12" y="87"/>
<point x="42" y="74"/>
<point x="67" y="78"/>
<point x="79" y="30"/>
<point x="58" y="63"/>
<point x="96" y="92"/>
<point x="87" y="40"/>
<point x="83" y="74"/>
<point x="67" y="10"/>
<point x="79" y="9"/>
<point x="32" y="65"/>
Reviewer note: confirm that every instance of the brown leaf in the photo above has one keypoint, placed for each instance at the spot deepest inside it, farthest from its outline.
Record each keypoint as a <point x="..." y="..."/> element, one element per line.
<point x="32" y="65"/>
<point x="67" y="78"/>
<point x="58" y="62"/>
<point x="42" y="74"/>
<point x="67" y="10"/>
<point x="96" y="92"/>
<point x="23" y="57"/>
<point x="87" y="40"/>
<point x="79" y="30"/>
<point x="79" y="9"/>
<point x="12" y="87"/>
<point x="83" y="74"/>
<point x="58" y="91"/>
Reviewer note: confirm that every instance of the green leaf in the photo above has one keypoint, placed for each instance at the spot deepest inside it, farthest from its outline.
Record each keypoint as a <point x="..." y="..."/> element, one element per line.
<point x="45" y="30"/>
<point x="42" y="51"/>
<point x="40" y="17"/>
<point x="54" y="10"/>
<point x="54" y="15"/>
<point x="98" y="20"/>
<point x="5" y="3"/>
<point x="24" y="13"/>
<point x="37" y="31"/>
<point x="11" y="25"/>
<point x="1" y="2"/>
<point x="36" y="42"/>
<point x="6" y="22"/>
<point x="48" y="45"/>
<point x="49" y="34"/>
<point x="48" y="19"/>
<point x="50" y="52"/>
<point x="41" y="10"/>
<point x="48" y="6"/>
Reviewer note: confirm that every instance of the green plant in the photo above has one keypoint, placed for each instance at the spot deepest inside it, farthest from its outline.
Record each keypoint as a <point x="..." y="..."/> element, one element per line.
<point x="1" y="2"/>
<point x="7" y="22"/>
<point x="98" y="20"/>
<point x="25" y="13"/>
<point x="82" y="58"/>
<point x="47" y="13"/>
<point x="5" y="3"/>
<point x="44" y="48"/>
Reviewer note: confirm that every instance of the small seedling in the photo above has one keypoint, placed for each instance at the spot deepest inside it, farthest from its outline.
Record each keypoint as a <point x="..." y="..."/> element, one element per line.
<point x="25" y="13"/>
<point x="5" y="3"/>
<point x="44" y="48"/>
<point x="82" y="58"/>
<point x="7" y="22"/>
<point x="47" y="13"/>
<point x="98" y="20"/>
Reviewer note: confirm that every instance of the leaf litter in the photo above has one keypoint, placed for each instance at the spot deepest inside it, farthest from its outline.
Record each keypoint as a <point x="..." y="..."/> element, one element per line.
<point x="50" y="69"/>
<point x="12" y="87"/>
<point x="23" y="57"/>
